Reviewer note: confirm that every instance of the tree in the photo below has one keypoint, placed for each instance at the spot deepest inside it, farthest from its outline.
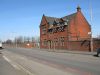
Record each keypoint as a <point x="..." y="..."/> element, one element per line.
<point x="98" y="37"/>
<point x="32" y="39"/>
<point x="37" y="39"/>
<point x="19" y="40"/>
<point x="9" y="41"/>
<point x="27" y="39"/>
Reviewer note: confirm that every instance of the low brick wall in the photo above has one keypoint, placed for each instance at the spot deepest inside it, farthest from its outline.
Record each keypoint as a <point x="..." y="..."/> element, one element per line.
<point x="96" y="44"/>
<point x="83" y="45"/>
<point x="71" y="45"/>
<point x="79" y="45"/>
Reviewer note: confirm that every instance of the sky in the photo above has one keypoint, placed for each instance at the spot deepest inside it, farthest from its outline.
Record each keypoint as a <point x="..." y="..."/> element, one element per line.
<point x="23" y="17"/>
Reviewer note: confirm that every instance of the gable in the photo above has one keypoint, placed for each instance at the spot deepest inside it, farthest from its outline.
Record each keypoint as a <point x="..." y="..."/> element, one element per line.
<point x="82" y="23"/>
<point x="79" y="27"/>
<point x="43" y="21"/>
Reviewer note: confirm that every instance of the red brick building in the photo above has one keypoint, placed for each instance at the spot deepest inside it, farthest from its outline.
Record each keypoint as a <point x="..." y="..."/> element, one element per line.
<point x="65" y="32"/>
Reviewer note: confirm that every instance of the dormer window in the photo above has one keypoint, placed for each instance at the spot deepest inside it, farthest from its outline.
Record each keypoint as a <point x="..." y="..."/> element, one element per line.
<point x="65" y="23"/>
<point x="50" y="26"/>
<point x="61" y="23"/>
<point x="54" y="23"/>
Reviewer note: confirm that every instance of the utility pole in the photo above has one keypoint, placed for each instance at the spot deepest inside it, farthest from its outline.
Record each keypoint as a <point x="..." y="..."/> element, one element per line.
<point x="91" y="16"/>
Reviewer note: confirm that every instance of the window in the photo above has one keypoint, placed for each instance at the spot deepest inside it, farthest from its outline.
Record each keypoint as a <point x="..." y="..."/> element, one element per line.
<point x="43" y="29"/>
<point x="62" y="41"/>
<point x="61" y="28"/>
<point x="65" y="23"/>
<point x="44" y="42"/>
<point x="56" y="42"/>
<point x="50" y="31"/>
<point x="54" y="30"/>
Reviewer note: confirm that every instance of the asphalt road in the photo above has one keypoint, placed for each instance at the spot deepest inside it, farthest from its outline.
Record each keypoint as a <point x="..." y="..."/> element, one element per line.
<point x="8" y="69"/>
<point x="84" y="64"/>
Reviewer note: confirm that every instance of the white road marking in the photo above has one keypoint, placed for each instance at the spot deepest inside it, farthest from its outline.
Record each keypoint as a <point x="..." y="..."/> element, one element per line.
<point x="12" y="63"/>
<point x="17" y="66"/>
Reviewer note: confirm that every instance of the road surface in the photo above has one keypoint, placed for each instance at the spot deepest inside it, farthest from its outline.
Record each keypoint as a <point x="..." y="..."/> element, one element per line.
<point x="75" y="63"/>
<point x="8" y="69"/>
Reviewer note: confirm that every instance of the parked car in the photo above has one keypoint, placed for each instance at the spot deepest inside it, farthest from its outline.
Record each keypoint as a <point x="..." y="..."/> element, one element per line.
<point x="0" y="45"/>
<point x="0" y="48"/>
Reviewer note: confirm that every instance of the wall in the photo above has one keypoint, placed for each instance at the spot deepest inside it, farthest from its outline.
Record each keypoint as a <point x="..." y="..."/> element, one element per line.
<point x="79" y="45"/>
<point x="83" y="45"/>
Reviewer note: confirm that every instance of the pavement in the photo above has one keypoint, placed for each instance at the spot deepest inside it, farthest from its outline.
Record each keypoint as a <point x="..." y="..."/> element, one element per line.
<point x="61" y="51"/>
<point x="68" y="51"/>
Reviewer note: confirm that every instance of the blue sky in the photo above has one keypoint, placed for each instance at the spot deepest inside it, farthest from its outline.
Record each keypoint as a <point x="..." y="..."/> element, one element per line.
<point x="22" y="17"/>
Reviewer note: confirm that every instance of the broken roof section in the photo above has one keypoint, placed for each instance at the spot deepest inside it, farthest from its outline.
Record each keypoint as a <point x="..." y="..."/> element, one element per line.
<point x="54" y="20"/>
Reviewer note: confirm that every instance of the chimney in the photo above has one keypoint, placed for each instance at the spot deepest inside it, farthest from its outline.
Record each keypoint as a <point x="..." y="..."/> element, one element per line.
<point x="78" y="8"/>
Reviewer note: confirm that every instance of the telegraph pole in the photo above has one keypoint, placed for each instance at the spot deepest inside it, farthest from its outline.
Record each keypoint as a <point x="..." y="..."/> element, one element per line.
<point x="91" y="16"/>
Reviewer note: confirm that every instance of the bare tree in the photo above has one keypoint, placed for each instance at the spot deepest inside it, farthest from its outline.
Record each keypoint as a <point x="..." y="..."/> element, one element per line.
<point x="32" y="39"/>
<point x="38" y="39"/>
<point x="98" y="37"/>
<point x="19" y="39"/>
<point x="8" y="41"/>
<point x="27" y="39"/>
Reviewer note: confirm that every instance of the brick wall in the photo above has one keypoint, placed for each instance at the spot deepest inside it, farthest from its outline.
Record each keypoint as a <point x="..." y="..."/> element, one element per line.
<point x="79" y="45"/>
<point x="83" y="45"/>
<point x="96" y="44"/>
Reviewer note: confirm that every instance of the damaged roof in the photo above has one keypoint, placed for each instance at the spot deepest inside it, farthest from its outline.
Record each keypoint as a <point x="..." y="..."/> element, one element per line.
<point x="51" y="20"/>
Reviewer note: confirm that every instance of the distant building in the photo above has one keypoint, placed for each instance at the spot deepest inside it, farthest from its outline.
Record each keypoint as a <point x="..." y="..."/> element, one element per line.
<point x="60" y="33"/>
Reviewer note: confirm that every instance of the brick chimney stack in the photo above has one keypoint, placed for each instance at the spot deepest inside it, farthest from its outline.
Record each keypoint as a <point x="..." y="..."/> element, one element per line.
<point x="78" y="8"/>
